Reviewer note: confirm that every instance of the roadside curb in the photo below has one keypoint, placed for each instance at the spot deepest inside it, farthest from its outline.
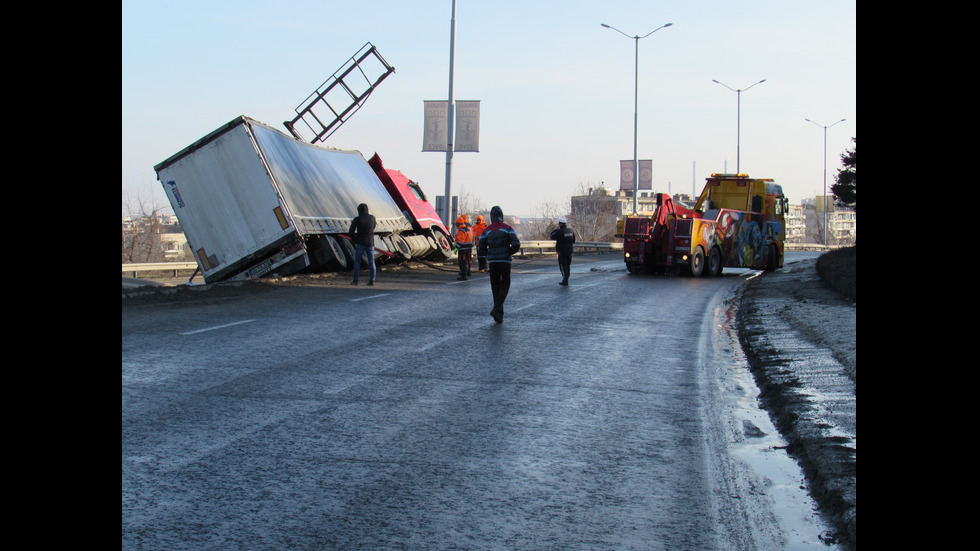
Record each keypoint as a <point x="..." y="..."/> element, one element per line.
<point x="808" y="393"/>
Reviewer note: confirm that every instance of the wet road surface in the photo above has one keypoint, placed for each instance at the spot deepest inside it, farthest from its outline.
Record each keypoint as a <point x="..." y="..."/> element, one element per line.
<point x="615" y="413"/>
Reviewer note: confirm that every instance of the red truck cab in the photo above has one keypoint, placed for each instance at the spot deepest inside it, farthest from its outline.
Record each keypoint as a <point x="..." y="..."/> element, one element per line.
<point x="414" y="205"/>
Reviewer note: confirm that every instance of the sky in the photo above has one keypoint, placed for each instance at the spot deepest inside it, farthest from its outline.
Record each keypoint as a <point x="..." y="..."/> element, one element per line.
<point x="556" y="89"/>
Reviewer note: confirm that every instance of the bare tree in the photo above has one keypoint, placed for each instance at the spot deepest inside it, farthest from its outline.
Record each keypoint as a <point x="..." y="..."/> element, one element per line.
<point x="594" y="211"/>
<point x="470" y="205"/>
<point x="139" y="236"/>
<point x="545" y="219"/>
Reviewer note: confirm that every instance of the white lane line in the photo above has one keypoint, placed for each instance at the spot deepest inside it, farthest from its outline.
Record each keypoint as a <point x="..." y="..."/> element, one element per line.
<point x="217" y="327"/>
<point x="370" y="297"/>
<point x="574" y="288"/>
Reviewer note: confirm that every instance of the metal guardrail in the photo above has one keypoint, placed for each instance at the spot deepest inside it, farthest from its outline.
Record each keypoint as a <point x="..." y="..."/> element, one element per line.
<point x="539" y="246"/>
<point x="579" y="246"/>
<point x="158" y="267"/>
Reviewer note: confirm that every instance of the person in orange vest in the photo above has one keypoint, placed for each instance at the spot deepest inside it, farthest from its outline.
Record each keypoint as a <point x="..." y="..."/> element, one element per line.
<point x="464" y="244"/>
<point x="477" y="232"/>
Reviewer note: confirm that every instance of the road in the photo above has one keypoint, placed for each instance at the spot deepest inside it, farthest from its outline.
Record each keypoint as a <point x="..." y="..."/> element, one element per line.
<point x="615" y="413"/>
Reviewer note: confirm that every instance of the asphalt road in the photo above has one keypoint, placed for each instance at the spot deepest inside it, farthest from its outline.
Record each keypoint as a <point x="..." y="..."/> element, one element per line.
<point x="616" y="413"/>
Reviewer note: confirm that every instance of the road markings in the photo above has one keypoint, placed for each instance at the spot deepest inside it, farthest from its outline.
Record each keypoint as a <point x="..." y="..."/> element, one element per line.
<point x="370" y="297"/>
<point x="574" y="288"/>
<point x="216" y="327"/>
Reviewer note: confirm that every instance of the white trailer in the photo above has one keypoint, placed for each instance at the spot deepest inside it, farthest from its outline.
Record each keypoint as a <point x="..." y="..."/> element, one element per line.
<point x="252" y="200"/>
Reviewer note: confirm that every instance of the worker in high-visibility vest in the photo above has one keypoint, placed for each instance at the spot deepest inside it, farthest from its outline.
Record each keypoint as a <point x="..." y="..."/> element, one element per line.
<point x="481" y="261"/>
<point x="464" y="244"/>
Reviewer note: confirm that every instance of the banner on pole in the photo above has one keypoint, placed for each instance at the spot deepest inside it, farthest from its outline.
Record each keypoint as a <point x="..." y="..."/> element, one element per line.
<point x="626" y="175"/>
<point x="646" y="175"/>
<point x="436" y="126"/>
<point x="467" y="126"/>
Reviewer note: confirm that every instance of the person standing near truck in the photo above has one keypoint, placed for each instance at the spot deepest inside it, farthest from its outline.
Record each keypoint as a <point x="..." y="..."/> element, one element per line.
<point x="464" y="244"/>
<point x="361" y="232"/>
<point x="477" y="232"/>
<point x="499" y="242"/>
<point x="564" y="239"/>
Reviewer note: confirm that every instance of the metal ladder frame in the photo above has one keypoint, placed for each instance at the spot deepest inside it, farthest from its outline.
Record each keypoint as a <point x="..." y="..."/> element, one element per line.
<point x="305" y="111"/>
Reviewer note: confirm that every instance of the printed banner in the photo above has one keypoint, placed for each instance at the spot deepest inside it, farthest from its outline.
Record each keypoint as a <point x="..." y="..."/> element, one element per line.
<point x="626" y="175"/>
<point x="646" y="175"/>
<point x="467" y="126"/>
<point x="436" y="126"/>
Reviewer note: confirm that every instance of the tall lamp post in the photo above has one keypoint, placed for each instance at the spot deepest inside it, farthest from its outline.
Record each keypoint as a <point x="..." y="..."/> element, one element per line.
<point x="450" y="117"/>
<point x="825" y="175"/>
<point x="636" y="101"/>
<point x="738" y="124"/>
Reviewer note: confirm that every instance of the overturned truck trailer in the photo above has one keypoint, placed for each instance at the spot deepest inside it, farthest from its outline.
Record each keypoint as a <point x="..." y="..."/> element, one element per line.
<point x="254" y="201"/>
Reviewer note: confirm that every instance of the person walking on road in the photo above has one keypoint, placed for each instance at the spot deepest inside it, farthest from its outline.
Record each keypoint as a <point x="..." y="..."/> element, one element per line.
<point x="564" y="239"/>
<point x="499" y="242"/>
<point x="464" y="244"/>
<point x="361" y="232"/>
<point x="478" y="228"/>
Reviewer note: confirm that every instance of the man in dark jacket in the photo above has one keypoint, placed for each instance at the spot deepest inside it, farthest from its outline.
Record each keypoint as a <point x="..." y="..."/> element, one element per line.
<point x="564" y="239"/>
<point x="361" y="232"/>
<point x="498" y="243"/>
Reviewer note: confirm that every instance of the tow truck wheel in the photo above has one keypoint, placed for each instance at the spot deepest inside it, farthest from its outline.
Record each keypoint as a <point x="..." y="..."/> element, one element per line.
<point x="713" y="267"/>
<point x="696" y="263"/>
<point x="772" y="259"/>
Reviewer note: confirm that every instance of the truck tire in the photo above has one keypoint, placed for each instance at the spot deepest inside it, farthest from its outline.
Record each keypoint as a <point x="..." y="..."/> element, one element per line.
<point x="338" y="253"/>
<point x="348" y="249"/>
<point x="772" y="258"/>
<point x="695" y="266"/>
<point x="444" y="249"/>
<point x="713" y="266"/>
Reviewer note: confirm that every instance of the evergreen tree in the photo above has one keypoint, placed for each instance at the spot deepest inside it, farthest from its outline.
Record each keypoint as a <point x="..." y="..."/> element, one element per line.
<point x="845" y="190"/>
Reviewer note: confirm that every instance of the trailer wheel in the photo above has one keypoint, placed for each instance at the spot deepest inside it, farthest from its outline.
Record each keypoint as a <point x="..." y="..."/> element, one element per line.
<point x="348" y="249"/>
<point x="695" y="265"/>
<point x="336" y="250"/>
<point x="713" y="268"/>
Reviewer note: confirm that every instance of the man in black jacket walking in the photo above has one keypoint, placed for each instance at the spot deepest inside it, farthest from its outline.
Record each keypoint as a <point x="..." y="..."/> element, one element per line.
<point x="361" y="232"/>
<point x="498" y="243"/>
<point x="564" y="239"/>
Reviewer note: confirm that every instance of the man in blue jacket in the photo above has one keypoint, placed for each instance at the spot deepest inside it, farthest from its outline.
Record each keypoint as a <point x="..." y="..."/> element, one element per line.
<point x="498" y="243"/>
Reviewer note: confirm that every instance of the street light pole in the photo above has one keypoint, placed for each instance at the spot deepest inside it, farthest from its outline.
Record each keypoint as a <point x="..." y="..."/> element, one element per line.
<point x="636" y="101"/>
<point x="825" y="176"/>
<point x="738" y="124"/>
<point x="450" y="117"/>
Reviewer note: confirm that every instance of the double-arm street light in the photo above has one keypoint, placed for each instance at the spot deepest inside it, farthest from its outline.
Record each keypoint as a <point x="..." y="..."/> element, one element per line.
<point x="636" y="100"/>
<point x="738" y="124"/>
<point x="825" y="175"/>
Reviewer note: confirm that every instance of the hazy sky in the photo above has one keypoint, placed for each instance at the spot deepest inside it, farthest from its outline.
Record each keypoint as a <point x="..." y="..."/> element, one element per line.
<point x="556" y="88"/>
